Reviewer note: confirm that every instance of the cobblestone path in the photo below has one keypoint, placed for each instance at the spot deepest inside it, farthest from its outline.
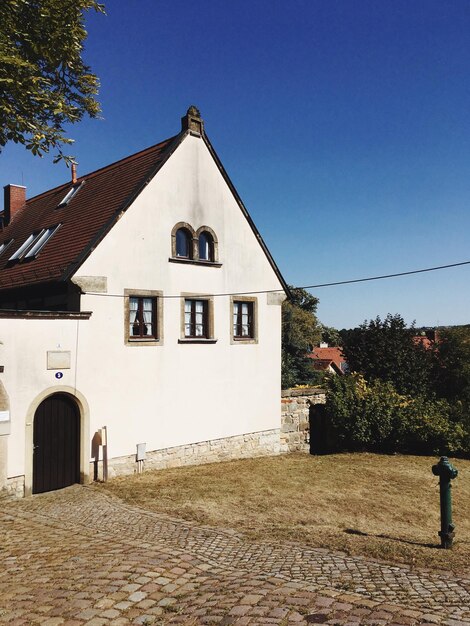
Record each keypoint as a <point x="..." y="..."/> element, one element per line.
<point x="79" y="556"/>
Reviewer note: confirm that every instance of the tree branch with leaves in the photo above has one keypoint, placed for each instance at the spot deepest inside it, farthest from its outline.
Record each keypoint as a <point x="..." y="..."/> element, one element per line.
<point x="300" y="332"/>
<point x="44" y="82"/>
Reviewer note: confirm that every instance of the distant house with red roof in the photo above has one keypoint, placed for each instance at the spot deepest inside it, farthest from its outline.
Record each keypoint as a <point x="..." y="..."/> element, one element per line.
<point x="140" y="321"/>
<point x="326" y="359"/>
<point x="427" y="339"/>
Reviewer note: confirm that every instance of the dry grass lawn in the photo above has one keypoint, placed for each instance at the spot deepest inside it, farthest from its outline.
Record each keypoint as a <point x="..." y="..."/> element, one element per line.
<point x="385" y="507"/>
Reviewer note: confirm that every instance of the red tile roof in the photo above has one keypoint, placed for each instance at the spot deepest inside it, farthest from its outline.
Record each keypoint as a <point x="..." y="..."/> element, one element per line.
<point x="423" y="341"/>
<point x="323" y="365"/>
<point x="84" y="221"/>
<point x="327" y="355"/>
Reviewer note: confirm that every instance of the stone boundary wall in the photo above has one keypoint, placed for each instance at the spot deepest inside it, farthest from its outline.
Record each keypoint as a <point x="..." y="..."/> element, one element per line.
<point x="295" y="412"/>
<point x="264" y="443"/>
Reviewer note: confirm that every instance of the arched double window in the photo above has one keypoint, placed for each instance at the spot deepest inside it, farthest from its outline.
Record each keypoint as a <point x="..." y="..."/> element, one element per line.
<point x="199" y="246"/>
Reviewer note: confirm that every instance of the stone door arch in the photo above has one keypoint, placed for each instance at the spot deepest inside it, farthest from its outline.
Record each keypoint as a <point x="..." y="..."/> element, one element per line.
<point x="84" y="438"/>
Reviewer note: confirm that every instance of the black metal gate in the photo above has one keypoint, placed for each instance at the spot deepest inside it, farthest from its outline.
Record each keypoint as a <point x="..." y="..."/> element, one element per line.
<point x="56" y="452"/>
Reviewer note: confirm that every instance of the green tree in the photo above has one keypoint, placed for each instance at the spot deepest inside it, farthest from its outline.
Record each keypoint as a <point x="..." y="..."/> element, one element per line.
<point x="452" y="375"/>
<point x="331" y="336"/>
<point x="44" y="83"/>
<point x="300" y="332"/>
<point x="385" y="350"/>
<point x="452" y="367"/>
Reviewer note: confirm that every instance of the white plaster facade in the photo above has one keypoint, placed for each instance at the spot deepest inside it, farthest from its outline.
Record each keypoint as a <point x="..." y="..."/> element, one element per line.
<point x="165" y="395"/>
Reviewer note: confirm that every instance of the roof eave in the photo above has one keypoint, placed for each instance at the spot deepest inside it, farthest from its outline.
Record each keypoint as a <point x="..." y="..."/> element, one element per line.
<point x="73" y="267"/>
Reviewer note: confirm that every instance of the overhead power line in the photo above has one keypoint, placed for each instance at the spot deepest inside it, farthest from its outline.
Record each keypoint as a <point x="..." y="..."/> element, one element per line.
<point x="318" y="286"/>
<point x="363" y="280"/>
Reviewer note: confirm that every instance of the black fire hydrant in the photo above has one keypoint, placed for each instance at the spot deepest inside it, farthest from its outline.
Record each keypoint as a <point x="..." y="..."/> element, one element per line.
<point x="446" y="473"/>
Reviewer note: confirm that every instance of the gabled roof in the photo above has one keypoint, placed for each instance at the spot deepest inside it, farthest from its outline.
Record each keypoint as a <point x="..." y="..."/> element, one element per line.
<point x="91" y="213"/>
<point x="323" y="365"/>
<point x="84" y="221"/>
<point x="330" y="355"/>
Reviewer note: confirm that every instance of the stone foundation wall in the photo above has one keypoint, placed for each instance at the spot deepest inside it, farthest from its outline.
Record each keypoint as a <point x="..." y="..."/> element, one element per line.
<point x="293" y="436"/>
<point x="14" y="488"/>
<point x="295" y="412"/>
<point x="264" y="443"/>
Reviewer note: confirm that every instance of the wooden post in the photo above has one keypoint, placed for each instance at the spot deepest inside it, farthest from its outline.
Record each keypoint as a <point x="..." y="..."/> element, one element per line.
<point x="104" y="443"/>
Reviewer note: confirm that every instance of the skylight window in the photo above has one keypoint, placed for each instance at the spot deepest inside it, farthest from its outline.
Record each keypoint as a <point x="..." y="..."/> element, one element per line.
<point x="20" y="252"/>
<point x="33" y="244"/>
<point x="5" y="245"/>
<point x="41" y="241"/>
<point x="70" y="194"/>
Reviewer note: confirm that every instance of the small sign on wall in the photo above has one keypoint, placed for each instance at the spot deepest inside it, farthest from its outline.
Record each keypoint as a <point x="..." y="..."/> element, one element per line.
<point x="4" y="416"/>
<point x="58" y="360"/>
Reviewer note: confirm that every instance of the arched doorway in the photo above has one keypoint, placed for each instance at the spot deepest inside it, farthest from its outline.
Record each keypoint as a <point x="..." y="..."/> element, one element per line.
<point x="56" y="443"/>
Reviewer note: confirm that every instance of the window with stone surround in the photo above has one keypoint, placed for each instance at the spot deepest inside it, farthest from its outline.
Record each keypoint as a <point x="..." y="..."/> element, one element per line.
<point x="143" y="312"/>
<point x="244" y="323"/>
<point x="197" y="319"/>
<point x="208" y="246"/>
<point x="184" y="244"/>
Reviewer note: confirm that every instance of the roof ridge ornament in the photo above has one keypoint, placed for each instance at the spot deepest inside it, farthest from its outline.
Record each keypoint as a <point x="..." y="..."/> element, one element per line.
<point x="192" y="121"/>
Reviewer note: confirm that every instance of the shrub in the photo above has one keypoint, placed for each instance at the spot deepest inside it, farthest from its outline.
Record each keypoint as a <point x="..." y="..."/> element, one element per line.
<point x="425" y="427"/>
<point x="376" y="418"/>
<point x="361" y="416"/>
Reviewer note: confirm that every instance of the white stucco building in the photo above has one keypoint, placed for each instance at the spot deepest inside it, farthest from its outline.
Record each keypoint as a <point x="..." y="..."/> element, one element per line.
<point x="119" y="309"/>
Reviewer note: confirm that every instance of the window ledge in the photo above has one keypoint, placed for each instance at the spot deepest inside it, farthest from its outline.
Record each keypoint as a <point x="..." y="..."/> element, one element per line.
<point x="243" y="340"/>
<point x="197" y="340"/>
<point x="173" y="259"/>
<point x="144" y="342"/>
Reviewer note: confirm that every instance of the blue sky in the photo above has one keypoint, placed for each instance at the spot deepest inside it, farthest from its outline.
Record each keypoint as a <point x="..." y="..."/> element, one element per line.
<point x="344" y="125"/>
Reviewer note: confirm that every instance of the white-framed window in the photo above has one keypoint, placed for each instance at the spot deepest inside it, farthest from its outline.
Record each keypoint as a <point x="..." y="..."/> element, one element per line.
<point x="34" y="244"/>
<point x="41" y="241"/>
<point x="72" y="192"/>
<point x="5" y="245"/>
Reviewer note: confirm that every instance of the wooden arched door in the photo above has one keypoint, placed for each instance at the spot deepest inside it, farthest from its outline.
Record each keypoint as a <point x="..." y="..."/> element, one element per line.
<point x="56" y="444"/>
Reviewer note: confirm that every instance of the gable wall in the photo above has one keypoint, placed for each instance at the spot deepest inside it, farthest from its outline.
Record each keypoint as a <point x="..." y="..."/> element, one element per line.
<point x="194" y="392"/>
